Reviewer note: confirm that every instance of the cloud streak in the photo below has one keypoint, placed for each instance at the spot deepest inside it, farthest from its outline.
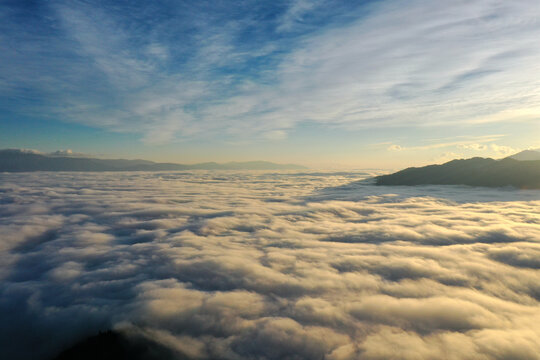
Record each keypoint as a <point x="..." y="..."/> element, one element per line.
<point x="269" y="265"/>
<point x="184" y="70"/>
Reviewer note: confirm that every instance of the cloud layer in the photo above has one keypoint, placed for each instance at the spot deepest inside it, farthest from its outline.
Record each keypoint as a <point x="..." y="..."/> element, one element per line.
<point x="269" y="266"/>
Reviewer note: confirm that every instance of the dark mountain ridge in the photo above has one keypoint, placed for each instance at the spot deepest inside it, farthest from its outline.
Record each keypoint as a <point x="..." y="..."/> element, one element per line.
<point x="114" y="345"/>
<point x="474" y="172"/>
<point x="20" y="161"/>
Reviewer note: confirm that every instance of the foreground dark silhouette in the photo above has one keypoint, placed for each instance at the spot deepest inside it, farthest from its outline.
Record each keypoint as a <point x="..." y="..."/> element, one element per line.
<point x="113" y="345"/>
<point x="473" y="172"/>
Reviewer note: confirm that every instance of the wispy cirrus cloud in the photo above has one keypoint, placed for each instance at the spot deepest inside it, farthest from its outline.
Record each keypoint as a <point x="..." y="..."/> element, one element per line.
<point x="483" y="144"/>
<point x="174" y="70"/>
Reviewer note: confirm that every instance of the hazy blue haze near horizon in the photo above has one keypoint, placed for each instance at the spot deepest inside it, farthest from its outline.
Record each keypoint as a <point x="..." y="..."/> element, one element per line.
<point x="238" y="265"/>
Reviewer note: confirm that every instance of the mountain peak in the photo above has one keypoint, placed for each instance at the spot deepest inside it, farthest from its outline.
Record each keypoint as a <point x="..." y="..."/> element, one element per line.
<point x="473" y="172"/>
<point x="527" y="155"/>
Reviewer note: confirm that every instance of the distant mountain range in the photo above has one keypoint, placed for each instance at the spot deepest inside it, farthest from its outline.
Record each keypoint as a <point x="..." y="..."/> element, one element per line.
<point x="527" y="155"/>
<point x="523" y="174"/>
<point x="14" y="160"/>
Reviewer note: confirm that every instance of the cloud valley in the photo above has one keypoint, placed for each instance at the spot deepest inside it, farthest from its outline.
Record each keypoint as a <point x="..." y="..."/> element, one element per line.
<point x="240" y="265"/>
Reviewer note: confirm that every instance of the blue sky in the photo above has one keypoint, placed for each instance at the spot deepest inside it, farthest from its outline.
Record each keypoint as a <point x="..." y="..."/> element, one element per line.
<point x="325" y="83"/>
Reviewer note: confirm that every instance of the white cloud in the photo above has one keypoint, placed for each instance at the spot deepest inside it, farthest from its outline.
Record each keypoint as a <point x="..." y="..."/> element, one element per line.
<point x="25" y="151"/>
<point x="503" y="150"/>
<point x="423" y="64"/>
<point x="294" y="14"/>
<point x="448" y="155"/>
<point x="477" y="143"/>
<point x="243" y="265"/>
<point x="474" y="146"/>
<point x="67" y="152"/>
<point x="275" y="135"/>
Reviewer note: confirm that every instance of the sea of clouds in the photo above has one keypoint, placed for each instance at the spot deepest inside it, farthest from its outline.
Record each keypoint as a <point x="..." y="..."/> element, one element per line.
<point x="240" y="265"/>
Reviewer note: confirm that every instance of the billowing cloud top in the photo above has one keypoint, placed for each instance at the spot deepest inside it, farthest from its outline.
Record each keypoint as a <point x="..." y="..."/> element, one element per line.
<point x="238" y="70"/>
<point x="269" y="266"/>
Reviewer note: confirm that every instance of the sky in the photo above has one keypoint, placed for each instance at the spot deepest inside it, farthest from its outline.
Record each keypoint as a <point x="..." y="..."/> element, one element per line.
<point x="366" y="84"/>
